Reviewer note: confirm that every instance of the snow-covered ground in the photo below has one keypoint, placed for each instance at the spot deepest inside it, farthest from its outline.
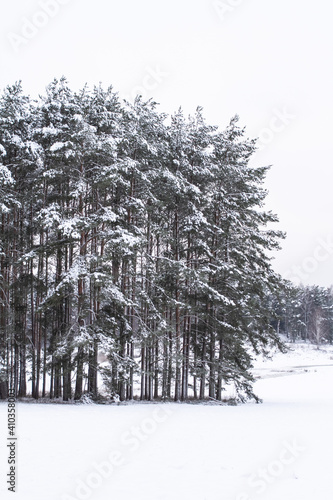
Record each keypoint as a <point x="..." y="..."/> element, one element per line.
<point x="279" y="450"/>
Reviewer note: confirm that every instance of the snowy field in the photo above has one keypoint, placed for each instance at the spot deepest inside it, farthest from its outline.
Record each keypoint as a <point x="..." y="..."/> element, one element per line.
<point x="279" y="450"/>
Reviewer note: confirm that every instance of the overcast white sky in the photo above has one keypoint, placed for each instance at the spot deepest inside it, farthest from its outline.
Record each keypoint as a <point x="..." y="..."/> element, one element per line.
<point x="269" y="61"/>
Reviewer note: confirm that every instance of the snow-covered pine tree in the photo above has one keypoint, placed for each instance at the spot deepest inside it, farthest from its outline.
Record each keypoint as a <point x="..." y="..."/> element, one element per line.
<point x="18" y="169"/>
<point x="124" y="235"/>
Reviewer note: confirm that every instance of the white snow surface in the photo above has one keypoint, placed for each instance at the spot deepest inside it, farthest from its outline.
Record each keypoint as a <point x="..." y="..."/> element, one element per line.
<point x="278" y="450"/>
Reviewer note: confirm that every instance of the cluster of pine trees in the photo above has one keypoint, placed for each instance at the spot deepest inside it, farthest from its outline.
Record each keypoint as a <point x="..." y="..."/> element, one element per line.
<point x="132" y="234"/>
<point x="305" y="313"/>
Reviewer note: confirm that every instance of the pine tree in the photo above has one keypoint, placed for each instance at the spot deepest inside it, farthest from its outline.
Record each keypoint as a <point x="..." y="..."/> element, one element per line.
<point x="148" y="242"/>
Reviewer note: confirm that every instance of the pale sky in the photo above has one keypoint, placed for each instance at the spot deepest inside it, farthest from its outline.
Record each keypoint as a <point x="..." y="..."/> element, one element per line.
<point x="269" y="61"/>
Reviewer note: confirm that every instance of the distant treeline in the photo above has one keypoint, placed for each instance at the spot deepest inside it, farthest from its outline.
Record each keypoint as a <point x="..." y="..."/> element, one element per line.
<point x="305" y="313"/>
